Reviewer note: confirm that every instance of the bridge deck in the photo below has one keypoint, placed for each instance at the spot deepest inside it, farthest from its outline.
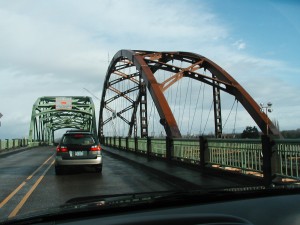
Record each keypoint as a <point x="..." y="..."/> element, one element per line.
<point x="184" y="176"/>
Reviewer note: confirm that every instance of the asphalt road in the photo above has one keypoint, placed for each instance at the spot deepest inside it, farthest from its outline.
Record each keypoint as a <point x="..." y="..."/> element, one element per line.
<point x="28" y="182"/>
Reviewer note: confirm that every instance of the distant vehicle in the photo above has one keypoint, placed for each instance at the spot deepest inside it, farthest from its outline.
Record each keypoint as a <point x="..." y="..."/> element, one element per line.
<point x="78" y="148"/>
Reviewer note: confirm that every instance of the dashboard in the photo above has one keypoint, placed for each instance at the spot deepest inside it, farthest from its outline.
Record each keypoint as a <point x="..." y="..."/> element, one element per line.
<point x="275" y="210"/>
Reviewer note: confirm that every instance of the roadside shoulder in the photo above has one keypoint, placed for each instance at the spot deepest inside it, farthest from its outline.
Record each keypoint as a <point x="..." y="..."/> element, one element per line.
<point x="6" y="152"/>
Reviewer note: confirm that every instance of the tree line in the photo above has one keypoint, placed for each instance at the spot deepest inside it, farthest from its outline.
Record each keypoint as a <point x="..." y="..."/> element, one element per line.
<point x="252" y="132"/>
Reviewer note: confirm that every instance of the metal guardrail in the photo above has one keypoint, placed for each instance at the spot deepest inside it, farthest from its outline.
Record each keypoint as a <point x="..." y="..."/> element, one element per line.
<point x="245" y="155"/>
<point x="158" y="147"/>
<point x="288" y="158"/>
<point x="13" y="143"/>
<point x="131" y="144"/>
<point x="142" y="145"/>
<point x="261" y="157"/>
<point x="187" y="150"/>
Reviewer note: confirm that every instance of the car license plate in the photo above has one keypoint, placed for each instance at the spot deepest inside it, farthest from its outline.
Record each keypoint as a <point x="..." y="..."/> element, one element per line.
<point x="78" y="153"/>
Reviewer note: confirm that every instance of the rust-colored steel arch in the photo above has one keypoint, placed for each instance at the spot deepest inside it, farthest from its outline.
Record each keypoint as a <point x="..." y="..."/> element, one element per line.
<point x="165" y="113"/>
<point x="148" y="62"/>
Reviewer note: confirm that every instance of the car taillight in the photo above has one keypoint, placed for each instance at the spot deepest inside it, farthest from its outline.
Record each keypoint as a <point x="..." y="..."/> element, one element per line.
<point x="61" y="149"/>
<point x="95" y="148"/>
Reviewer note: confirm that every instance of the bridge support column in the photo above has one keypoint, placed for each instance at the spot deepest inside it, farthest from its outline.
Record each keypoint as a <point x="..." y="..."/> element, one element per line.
<point x="102" y="140"/>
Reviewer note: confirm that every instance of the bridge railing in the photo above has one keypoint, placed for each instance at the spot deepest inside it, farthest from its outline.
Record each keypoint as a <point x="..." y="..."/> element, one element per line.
<point x="186" y="150"/>
<point x="13" y="143"/>
<point x="288" y="158"/>
<point x="260" y="157"/>
<point x="243" y="155"/>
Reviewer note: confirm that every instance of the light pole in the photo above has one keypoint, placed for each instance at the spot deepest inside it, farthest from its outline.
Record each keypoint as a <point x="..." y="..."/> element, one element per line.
<point x="0" y="118"/>
<point x="266" y="108"/>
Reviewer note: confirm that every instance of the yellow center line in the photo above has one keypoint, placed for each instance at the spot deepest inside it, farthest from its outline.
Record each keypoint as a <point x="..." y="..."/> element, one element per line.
<point x="28" y="178"/>
<point x="25" y="198"/>
<point x="22" y="184"/>
<point x="12" y="194"/>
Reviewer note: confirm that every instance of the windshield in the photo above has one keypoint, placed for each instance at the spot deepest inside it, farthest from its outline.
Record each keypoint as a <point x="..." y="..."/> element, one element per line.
<point x="124" y="97"/>
<point x="78" y="139"/>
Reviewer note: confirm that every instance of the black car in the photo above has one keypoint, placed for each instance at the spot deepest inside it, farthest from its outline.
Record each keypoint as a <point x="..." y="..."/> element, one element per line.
<point x="78" y="148"/>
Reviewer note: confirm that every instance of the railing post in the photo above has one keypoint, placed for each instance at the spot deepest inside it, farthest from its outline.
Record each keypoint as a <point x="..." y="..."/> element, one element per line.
<point x="126" y="143"/>
<point x="169" y="148"/>
<point x="148" y="146"/>
<point x="120" y="143"/>
<point x="136" y="147"/>
<point x="7" y="143"/>
<point x="267" y="152"/>
<point x="204" y="154"/>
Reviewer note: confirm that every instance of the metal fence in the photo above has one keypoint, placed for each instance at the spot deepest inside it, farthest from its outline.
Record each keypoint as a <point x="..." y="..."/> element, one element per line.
<point x="158" y="147"/>
<point x="142" y="145"/>
<point x="131" y="144"/>
<point x="13" y="143"/>
<point x="244" y="156"/>
<point x="187" y="150"/>
<point x="288" y="158"/>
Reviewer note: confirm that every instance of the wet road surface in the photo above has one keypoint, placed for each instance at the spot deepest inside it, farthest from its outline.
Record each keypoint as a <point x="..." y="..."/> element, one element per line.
<point x="28" y="181"/>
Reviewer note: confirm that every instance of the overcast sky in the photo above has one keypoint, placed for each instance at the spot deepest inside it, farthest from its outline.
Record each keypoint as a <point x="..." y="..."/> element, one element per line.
<point x="58" y="48"/>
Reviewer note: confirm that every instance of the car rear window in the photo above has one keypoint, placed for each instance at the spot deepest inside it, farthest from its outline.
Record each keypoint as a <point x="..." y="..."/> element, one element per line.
<point x="78" y="139"/>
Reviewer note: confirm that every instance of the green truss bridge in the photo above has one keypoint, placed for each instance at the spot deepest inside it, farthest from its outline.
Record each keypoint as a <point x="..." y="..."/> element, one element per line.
<point x="52" y="113"/>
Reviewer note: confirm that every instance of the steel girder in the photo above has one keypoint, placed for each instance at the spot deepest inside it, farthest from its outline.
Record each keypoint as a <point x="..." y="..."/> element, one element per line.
<point x="148" y="62"/>
<point x="46" y="119"/>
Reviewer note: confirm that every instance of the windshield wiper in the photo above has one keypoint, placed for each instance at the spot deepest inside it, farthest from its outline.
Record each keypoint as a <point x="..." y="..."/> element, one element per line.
<point x="190" y="196"/>
<point x="133" y="196"/>
<point x="85" y="206"/>
<point x="145" y="197"/>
